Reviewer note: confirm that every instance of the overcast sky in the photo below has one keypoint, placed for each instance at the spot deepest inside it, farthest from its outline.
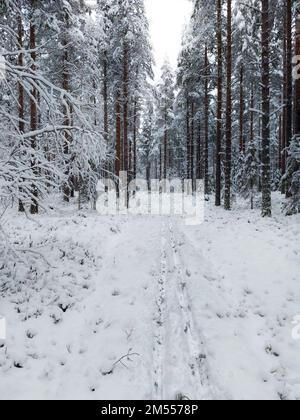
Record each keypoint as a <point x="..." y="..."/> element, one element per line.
<point x="167" y="19"/>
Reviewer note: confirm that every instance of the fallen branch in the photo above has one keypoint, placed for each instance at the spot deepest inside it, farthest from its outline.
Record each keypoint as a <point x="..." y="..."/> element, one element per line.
<point x="126" y="356"/>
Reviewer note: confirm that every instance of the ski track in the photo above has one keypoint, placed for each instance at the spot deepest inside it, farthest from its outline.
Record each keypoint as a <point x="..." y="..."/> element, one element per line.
<point x="159" y="321"/>
<point x="181" y="370"/>
<point x="196" y="350"/>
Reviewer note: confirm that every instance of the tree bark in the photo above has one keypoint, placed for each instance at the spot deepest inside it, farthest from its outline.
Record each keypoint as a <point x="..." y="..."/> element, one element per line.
<point x="252" y="114"/>
<point x="105" y="97"/>
<point x="284" y="103"/>
<point x="280" y="144"/>
<point x="67" y="122"/>
<point x="188" y="137"/>
<point x="297" y="81"/>
<point x="266" y="170"/>
<point x="199" y="152"/>
<point x="219" y="106"/>
<point x="228" y="110"/>
<point x="166" y="146"/>
<point x="242" y="108"/>
<point x="206" y="113"/>
<point x="125" y="107"/>
<point x="21" y="90"/>
<point x="118" y="158"/>
<point x="289" y="83"/>
<point x="34" y="208"/>
<point x="135" y="128"/>
<point x="193" y="144"/>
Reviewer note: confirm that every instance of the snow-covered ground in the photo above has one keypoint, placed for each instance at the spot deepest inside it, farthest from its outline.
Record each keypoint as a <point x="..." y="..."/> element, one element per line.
<point x="149" y="308"/>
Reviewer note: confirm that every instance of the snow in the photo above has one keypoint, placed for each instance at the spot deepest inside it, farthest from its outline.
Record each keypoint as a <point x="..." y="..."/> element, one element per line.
<point x="136" y="307"/>
<point x="245" y="297"/>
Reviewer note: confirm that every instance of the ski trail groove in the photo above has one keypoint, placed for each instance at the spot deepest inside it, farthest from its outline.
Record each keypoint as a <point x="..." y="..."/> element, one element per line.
<point x="197" y="357"/>
<point x="159" y="320"/>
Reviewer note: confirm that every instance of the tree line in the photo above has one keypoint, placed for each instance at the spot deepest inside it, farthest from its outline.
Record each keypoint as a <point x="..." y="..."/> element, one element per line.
<point x="235" y="117"/>
<point x="70" y="100"/>
<point x="78" y="100"/>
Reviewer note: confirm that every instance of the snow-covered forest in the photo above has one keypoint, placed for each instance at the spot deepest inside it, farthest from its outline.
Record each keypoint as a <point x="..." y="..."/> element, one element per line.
<point x="139" y="304"/>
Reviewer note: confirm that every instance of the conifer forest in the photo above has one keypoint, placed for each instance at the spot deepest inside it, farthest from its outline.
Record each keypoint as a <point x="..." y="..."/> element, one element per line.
<point x="149" y="207"/>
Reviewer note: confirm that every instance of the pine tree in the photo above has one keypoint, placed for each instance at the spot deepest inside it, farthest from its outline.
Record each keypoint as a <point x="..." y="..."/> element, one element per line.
<point x="228" y="154"/>
<point x="219" y="105"/>
<point x="266" y="178"/>
<point x="292" y="176"/>
<point x="248" y="176"/>
<point x="166" y="116"/>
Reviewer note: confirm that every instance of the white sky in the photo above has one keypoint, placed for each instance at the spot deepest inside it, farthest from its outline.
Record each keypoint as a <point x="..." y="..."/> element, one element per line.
<point x="167" y="19"/>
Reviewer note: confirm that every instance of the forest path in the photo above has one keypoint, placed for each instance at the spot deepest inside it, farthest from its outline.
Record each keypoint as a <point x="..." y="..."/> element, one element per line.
<point x="180" y="357"/>
<point x="139" y="307"/>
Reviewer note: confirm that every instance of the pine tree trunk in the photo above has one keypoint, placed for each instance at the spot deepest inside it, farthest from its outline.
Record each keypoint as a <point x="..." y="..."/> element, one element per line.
<point x="297" y="82"/>
<point x="66" y="87"/>
<point x="105" y="97"/>
<point x="252" y="114"/>
<point x="188" y="137"/>
<point x="34" y="208"/>
<point x="289" y="83"/>
<point x="266" y="170"/>
<point x="135" y="128"/>
<point x="284" y="103"/>
<point x="193" y="144"/>
<point x="166" y="146"/>
<point x="125" y="107"/>
<point x="21" y="90"/>
<point x="219" y="106"/>
<point x="206" y="113"/>
<point x="280" y="143"/>
<point x="199" y="153"/>
<point x="118" y="158"/>
<point x="160" y="163"/>
<point x="242" y="108"/>
<point x="228" y="155"/>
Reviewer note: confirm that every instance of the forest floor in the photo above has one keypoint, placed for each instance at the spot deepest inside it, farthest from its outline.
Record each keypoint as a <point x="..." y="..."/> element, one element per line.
<point x="149" y="308"/>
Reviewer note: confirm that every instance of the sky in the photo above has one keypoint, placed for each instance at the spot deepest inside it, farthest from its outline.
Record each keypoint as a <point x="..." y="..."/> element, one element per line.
<point x="167" y="19"/>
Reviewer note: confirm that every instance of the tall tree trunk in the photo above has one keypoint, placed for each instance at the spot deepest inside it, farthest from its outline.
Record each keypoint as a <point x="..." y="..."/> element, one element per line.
<point x="280" y="143"/>
<point x="67" y="122"/>
<point x="125" y="106"/>
<point x="266" y="170"/>
<point x="297" y="82"/>
<point x="284" y="102"/>
<point x="206" y="113"/>
<point x="105" y="108"/>
<point x="160" y="162"/>
<point x="118" y="157"/>
<point x="193" y="144"/>
<point x="135" y="129"/>
<point x="188" y="137"/>
<point x="34" y="208"/>
<point x="242" y="108"/>
<point x="21" y="90"/>
<point x="199" y="152"/>
<point x="289" y="83"/>
<point x="228" y="156"/>
<point x="166" y="146"/>
<point x="105" y="97"/>
<point x="259" y="148"/>
<point x="252" y="114"/>
<point x="219" y="106"/>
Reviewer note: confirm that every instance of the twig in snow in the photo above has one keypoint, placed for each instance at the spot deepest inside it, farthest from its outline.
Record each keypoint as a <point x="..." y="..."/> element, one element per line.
<point x="127" y="356"/>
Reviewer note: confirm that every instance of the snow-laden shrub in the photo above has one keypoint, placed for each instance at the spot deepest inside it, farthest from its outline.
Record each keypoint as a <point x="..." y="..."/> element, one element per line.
<point x="247" y="179"/>
<point x="292" y="177"/>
